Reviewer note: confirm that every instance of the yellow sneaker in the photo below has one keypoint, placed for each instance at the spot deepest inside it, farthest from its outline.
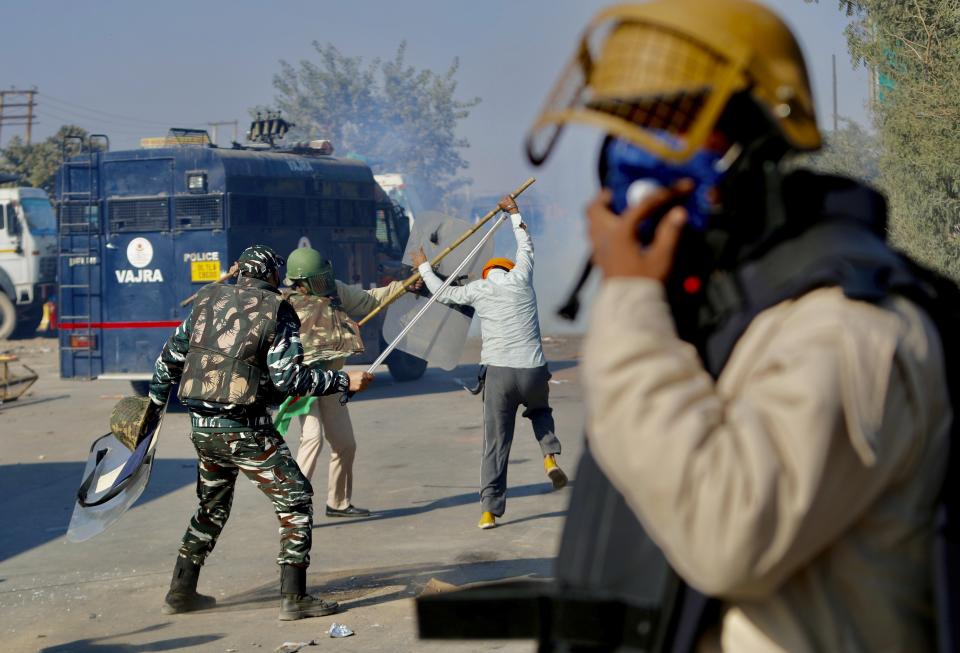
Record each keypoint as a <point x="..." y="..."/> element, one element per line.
<point x="556" y="475"/>
<point x="487" y="520"/>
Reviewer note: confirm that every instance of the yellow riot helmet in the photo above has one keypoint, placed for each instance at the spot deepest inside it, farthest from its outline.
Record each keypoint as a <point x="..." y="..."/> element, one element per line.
<point x="671" y="66"/>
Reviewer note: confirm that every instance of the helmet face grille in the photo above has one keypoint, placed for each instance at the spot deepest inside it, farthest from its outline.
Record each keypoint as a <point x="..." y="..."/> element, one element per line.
<point x="673" y="114"/>
<point x="639" y="60"/>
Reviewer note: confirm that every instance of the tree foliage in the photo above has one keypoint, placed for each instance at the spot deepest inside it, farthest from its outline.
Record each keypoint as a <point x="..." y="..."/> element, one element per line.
<point x="37" y="164"/>
<point x="398" y="118"/>
<point x="850" y="151"/>
<point x="913" y="48"/>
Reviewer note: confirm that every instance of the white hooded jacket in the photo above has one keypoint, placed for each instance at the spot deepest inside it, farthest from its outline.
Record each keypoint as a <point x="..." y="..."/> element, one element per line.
<point x="506" y="304"/>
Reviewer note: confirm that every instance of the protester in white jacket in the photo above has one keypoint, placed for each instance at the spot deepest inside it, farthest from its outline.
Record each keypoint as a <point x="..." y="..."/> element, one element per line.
<point x="516" y="370"/>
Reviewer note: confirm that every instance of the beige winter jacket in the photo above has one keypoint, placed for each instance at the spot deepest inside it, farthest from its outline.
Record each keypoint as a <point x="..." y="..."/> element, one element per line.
<point x="799" y="487"/>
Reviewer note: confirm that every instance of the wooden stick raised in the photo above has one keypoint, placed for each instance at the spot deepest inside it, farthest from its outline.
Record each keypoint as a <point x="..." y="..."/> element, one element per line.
<point x="415" y="277"/>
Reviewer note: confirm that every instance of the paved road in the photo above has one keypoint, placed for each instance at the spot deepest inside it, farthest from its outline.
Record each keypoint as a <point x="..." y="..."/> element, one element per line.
<point x="417" y="465"/>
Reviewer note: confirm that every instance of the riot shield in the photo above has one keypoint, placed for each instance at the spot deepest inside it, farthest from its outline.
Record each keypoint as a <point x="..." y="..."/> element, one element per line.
<point x="113" y="479"/>
<point x="439" y="335"/>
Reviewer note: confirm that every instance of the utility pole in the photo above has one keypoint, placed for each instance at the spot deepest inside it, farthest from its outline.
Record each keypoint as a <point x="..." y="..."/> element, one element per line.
<point x="26" y="102"/>
<point x="223" y="123"/>
<point x="835" y="119"/>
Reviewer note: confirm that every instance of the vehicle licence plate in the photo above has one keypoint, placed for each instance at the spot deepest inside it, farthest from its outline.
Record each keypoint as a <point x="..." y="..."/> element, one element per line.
<point x="204" y="271"/>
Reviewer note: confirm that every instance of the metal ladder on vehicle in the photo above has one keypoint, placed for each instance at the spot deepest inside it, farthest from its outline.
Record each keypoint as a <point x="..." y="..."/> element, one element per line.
<point x="78" y="235"/>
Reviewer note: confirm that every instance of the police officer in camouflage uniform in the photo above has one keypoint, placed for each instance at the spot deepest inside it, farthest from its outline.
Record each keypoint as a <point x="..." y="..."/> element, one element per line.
<point x="324" y="306"/>
<point x="238" y="352"/>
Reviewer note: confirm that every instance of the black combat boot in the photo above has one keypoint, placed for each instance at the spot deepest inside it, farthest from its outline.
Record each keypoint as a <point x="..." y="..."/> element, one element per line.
<point x="183" y="596"/>
<point x="295" y="603"/>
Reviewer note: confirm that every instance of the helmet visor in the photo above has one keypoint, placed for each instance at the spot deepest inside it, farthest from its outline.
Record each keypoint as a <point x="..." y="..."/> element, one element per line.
<point x="322" y="283"/>
<point x="642" y="82"/>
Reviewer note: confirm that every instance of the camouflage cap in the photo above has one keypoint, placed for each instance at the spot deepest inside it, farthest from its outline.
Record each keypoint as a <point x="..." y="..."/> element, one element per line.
<point x="258" y="261"/>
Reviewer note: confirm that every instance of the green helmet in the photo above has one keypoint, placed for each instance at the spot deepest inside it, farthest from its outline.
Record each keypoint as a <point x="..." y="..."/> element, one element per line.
<point x="308" y="265"/>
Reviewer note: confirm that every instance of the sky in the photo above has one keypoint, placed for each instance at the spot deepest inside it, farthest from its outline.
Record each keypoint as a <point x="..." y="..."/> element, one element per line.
<point x="132" y="69"/>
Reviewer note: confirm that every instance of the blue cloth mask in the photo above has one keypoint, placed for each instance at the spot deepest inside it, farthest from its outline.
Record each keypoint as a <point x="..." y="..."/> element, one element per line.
<point x="626" y="166"/>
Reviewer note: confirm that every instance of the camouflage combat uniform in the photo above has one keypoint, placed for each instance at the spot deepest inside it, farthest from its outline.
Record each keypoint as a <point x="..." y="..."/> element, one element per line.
<point x="238" y="352"/>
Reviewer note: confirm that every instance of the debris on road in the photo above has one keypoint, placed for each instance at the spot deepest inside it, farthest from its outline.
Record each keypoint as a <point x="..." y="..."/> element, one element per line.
<point x="293" y="647"/>
<point x="339" y="630"/>
<point x="14" y="384"/>
<point x="435" y="586"/>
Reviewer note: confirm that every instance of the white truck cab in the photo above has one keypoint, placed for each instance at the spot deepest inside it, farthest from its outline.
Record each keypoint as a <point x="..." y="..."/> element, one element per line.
<point x="402" y="192"/>
<point x="28" y="258"/>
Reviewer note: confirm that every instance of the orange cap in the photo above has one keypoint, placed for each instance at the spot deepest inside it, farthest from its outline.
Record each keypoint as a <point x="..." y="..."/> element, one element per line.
<point x="504" y="263"/>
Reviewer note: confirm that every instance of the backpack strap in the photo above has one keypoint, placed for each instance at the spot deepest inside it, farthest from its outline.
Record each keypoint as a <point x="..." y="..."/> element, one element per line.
<point x="841" y="253"/>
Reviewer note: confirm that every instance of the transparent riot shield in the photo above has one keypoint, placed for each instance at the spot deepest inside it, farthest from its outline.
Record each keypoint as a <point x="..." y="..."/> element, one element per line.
<point x="113" y="479"/>
<point x="439" y="335"/>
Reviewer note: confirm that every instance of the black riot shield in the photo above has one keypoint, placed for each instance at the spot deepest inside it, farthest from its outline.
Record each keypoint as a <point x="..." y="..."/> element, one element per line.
<point x="113" y="479"/>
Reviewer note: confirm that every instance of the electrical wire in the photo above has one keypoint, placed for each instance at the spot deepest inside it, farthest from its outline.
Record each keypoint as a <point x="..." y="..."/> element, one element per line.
<point x="85" y="123"/>
<point x="79" y="108"/>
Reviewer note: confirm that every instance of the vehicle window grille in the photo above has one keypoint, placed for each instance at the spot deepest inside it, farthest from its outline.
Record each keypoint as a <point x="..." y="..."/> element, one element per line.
<point x="48" y="268"/>
<point x="365" y="214"/>
<point x="198" y="211"/>
<point x="383" y="235"/>
<point x="275" y="212"/>
<point x="346" y="217"/>
<point x="312" y="213"/>
<point x="79" y="218"/>
<point x="293" y="212"/>
<point x="349" y="190"/>
<point x="328" y="212"/>
<point x="139" y="215"/>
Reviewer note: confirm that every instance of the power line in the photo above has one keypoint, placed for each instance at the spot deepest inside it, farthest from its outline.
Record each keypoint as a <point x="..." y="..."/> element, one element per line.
<point x="86" y="123"/>
<point x="83" y="121"/>
<point x="79" y="108"/>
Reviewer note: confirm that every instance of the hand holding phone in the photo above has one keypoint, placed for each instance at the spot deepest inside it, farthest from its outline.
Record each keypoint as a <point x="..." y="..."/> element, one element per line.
<point x="618" y="247"/>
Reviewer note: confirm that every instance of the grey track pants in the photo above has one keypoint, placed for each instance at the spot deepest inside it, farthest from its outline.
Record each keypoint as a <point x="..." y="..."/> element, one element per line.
<point x="508" y="388"/>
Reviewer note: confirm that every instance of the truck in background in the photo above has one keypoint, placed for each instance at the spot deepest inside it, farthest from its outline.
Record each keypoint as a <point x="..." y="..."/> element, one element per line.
<point x="402" y="193"/>
<point x="28" y="258"/>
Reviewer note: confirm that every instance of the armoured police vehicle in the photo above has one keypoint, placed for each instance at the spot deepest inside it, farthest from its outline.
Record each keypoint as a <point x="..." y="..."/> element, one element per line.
<point x="141" y="230"/>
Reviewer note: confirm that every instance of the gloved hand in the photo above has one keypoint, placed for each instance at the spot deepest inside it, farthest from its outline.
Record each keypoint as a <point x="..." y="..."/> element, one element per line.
<point x="349" y="383"/>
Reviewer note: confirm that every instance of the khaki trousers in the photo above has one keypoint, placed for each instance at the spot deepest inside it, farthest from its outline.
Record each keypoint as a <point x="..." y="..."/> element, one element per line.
<point x="331" y="420"/>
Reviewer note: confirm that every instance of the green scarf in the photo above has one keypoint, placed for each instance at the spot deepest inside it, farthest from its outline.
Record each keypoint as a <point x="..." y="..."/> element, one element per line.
<point x="290" y="408"/>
